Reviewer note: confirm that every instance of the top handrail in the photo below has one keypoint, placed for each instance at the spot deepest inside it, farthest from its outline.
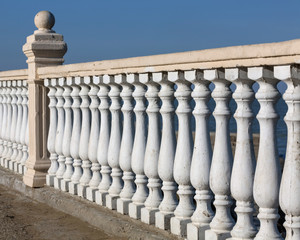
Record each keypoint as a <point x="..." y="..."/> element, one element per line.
<point x="20" y="74"/>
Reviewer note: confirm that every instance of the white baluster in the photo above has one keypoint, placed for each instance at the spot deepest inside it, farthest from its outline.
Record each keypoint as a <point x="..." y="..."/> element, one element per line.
<point x="76" y="131"/>
<point x="126" y="148"/>
<point x="84" y="137"/>
<point x="201" y="160"/>
<point x="104" y="136"/>
<point x="2" y="117"/>
<point x="167" y="152"/>
<point x="152" y="151"/>
<point x="183" y="156"/>
<point x="64" y="184"/>
<point x="290" y="182"/>
<point x="52" y="133"/>
<point x="7" y="143"/>
<point x="221" y="166"/>
<point x="24" y="129"/>
<point x="5" y="116"/>
<point x="115" y="142"/>
<point x="17" y="143"/>
<point x="244" y="160"/>
<point x="267" y="174"/>
<point x="13" y="145"/>
<point x="93" y="142"/>
<point x="138" y="151"/>
<point x="58" y="83"/>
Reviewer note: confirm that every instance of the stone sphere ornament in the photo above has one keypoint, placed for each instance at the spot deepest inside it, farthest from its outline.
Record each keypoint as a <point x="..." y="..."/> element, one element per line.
<point x="44" y="20"/>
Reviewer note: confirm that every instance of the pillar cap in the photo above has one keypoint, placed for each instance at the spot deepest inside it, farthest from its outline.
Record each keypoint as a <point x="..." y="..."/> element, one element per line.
<point x="44" y="21"/>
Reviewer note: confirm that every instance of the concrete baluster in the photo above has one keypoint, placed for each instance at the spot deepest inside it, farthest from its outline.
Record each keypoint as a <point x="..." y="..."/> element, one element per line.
<point x="59" y="139"/>
<point x="93" y="141"/>
<point x="243" y="169"/>
<point x="2" y="116"/>
<point x="84" y="137"/>
<point x="222" y="160"/>
<point x="167" y="152"/>
<point x="66" y="178"/>
<point x="115" y="141"/>
<point x="266" y="184"/>
<point x="201" y="160"/>
<point x="152" y="151"/>
<point x="7" y="142"/>
<point x="13" y="148"/>
<point x="126" y="148"/>
<point x="103" y="141"/>
<point x="76" y="132"/>
<point x="183" y="155"/>
<point x="52" y="132"/>
<point x="24" y="129"/>
<point x="138" y="151"/>
<point x="290" y="182"/>
<point x="18" y="126"/>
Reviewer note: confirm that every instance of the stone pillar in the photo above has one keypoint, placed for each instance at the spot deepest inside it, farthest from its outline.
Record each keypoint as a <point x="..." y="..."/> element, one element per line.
<point x="43" y="48"/>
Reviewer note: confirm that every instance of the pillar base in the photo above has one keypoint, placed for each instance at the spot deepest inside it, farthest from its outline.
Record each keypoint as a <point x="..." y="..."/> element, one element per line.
<point x="16" y="167"/>
<point x="135" y="210"/>
<point x="81" y="190"/>
<point x="33" y="178"/>
<point x="91" y="193"/>
<point x="148" y="215"/>
<point x="73" y="188"/>
<point x="100" y="198"/>
<point x="123" y="206"/>
<point x="196" y="232"/>
<point x="21" y="169"/>
<point x="179" y="225"/>
<point x="11" y="165"/>
<point x="111" y="202"/>
<point x="162" y="220"/>
<point x="49" y="179"/>
<point x="212" y="235"/>
<point x="2" y="161"/>
<point x="57" y="183"/>
<point x="6" y="163"/>
<point x="64" y="185"/>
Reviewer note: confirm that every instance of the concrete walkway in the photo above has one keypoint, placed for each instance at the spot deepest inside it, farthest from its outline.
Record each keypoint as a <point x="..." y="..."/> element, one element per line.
<point x="46" y="213"/>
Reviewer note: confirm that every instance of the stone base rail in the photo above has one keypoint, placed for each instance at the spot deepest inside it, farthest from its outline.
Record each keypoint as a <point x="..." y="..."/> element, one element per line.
<point x="109" y="135"/>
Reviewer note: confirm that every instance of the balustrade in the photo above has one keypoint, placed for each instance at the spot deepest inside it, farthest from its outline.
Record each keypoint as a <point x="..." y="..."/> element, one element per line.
<point x="112" y="137"/>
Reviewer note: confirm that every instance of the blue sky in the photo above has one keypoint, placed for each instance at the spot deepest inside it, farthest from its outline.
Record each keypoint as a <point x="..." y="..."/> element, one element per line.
<point x="108" y="29"/>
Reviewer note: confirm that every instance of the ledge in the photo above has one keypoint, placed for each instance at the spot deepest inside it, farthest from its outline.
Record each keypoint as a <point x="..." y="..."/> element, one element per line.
<point x="280" y="53"/>
<point x="21" y="74"/>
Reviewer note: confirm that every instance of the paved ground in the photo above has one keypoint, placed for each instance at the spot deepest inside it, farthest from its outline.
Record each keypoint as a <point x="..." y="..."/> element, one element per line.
<point x="23" y="218"/>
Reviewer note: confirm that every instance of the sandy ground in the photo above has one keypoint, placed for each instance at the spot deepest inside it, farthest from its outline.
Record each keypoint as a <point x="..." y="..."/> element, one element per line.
<point x="22" y="218"/>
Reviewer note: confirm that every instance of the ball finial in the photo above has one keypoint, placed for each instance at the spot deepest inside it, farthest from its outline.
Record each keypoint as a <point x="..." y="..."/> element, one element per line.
<point x="44" y="20"/>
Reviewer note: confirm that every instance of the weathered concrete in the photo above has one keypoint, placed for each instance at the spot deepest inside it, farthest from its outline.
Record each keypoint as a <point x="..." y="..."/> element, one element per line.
<point x="109" y="221"/>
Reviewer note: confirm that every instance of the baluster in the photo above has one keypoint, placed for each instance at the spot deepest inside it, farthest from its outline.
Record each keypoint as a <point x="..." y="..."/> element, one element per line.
<point x="244" y="160"/>
<point x="76" y="131"/>
<point x="3" y="117"/>
<point x="138" y="151"/>
<point x="290" y="182"/>
<point x="126" y="148"/>
<point x="152" y="151"/>
<point x="52" y="132"/>
<point x="201" y="160"/>
<point x="18" y="127"/>
<point x="58" y="83"/>
<point x="183" y="156"/>
<point x="66" y="178"/>
<point x="167" y="152"/>
<point x="266" y="184"/>
<point x="115" y="142"/>
<point x="104" y="136"/>
<point x="84" y="137"/>
<point x="24" y="129"/>
<point x="222" y="159"/>
<point x="93" y="141"/>
<point x="7" y="143"/>
<point x="13" y="145"/>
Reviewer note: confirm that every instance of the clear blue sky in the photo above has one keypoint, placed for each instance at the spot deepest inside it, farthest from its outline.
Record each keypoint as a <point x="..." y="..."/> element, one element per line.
<point x="108" y="29"/>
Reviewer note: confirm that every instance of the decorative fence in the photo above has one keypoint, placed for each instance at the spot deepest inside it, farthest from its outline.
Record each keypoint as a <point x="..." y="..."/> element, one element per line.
<point x="112" y="138"/>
